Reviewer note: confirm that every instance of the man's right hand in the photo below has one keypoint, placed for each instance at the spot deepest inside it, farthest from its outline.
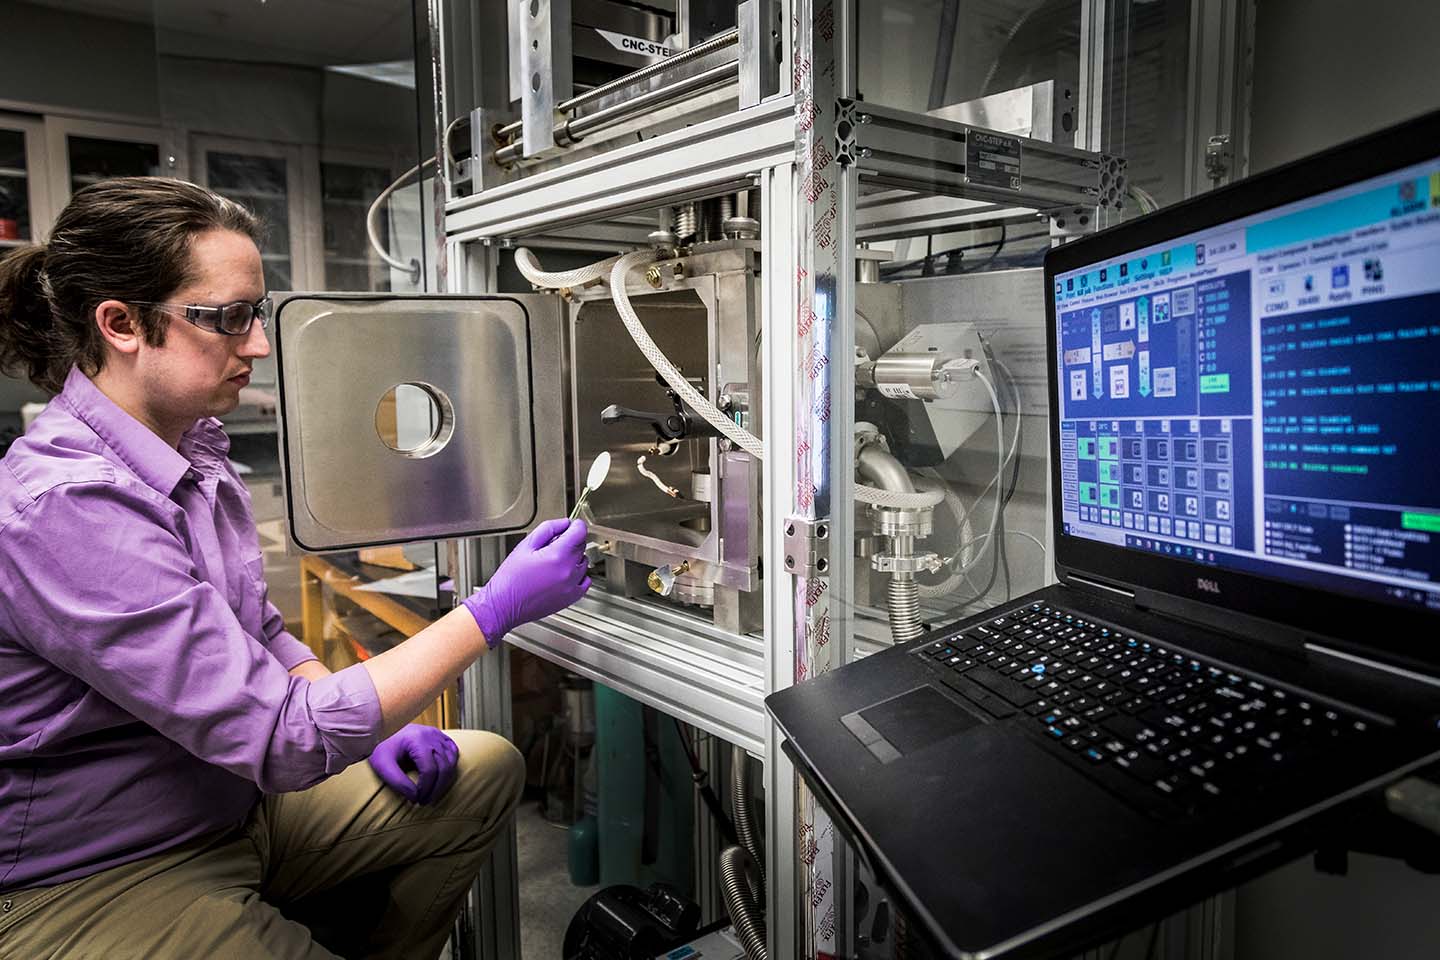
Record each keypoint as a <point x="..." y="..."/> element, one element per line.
<point x="544" y="574"/>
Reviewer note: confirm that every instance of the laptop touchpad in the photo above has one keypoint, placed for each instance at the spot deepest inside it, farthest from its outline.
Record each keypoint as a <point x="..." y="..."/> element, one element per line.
<point x="906" y="723"/>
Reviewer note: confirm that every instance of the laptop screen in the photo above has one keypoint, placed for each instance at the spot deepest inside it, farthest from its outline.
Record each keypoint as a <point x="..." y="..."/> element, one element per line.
<point x="1264" y="395"/>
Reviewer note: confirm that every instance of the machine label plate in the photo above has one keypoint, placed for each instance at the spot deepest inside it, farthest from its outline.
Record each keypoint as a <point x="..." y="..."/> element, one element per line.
<point x="992" y="159"/>
<point x="626" y="43"/>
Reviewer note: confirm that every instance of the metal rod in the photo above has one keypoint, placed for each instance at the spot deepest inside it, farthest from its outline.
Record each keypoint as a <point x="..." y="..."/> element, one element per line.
<point x="572" y="130"/>
<point x="644" y="73"/>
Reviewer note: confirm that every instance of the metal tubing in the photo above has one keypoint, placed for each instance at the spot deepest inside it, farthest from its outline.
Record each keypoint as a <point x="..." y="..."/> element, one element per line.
<point x="644" y="73"/>
<point x="883" y="470"/>
<point x="573" y="130"/>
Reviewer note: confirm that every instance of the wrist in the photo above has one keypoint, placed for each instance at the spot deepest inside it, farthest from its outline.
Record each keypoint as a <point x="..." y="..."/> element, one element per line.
<point x="491" y="625"/>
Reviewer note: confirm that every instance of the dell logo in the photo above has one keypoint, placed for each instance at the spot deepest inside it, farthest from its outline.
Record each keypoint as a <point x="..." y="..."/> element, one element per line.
<point x="1208" y="586"/>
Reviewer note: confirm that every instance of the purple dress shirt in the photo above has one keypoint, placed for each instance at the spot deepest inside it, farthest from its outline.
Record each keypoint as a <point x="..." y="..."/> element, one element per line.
<point x="145" y="694"/>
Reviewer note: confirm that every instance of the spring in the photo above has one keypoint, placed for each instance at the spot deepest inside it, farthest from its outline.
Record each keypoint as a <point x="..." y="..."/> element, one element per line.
<point x="727" y="208"/>
<point x="685" y="221"/>
<point x="903" y="594"/>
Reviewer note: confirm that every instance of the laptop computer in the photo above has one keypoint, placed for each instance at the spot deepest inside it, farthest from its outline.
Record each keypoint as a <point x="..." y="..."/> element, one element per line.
<point x="1244" y="426"/>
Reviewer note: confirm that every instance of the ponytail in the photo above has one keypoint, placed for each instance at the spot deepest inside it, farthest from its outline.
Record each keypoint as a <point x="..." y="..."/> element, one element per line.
<point x="126" y="239"/>
<point x="27" y="321"/>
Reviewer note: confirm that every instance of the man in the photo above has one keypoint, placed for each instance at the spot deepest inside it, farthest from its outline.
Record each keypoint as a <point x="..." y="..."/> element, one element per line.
<point x="176" y="768"/>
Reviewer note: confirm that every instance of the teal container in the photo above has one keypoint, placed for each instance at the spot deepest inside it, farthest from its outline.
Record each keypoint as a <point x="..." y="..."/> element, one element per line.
<point x="620" y="767"/>
<point x="583" y="855"/>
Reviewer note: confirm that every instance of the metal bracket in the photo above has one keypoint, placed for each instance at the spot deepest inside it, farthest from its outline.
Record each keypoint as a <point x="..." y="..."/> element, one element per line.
<point x="546" y="66"/>
<point x="918" y="563"/>
<point x="1218" y="156"/>
<point x="846" y="150"/>
<point x="807" y="546"/>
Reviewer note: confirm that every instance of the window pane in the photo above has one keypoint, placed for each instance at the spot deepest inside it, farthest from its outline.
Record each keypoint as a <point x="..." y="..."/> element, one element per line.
<point x="93" y="159"/>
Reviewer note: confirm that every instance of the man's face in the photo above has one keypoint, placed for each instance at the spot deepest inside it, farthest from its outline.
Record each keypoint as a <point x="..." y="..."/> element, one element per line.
<point x="199" y="373"/>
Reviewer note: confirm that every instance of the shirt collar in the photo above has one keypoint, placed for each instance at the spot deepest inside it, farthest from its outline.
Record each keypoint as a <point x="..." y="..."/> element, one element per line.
<point x="154" y="461"/>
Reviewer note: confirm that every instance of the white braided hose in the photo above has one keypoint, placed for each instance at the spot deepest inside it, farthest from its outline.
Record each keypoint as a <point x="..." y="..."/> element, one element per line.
<point x="964" y="534"/>
<point x="619" y="268"/>
<point x="528" y="266"/>
<point x="743" y="438"/>
<point x="746" y="440"/>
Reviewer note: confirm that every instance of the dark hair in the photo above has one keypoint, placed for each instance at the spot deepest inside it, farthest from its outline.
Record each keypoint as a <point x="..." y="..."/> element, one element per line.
<point x="124" y="239"/>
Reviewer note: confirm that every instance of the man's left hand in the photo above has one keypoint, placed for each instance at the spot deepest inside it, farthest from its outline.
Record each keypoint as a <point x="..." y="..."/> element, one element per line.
<point x="425" y="750"/>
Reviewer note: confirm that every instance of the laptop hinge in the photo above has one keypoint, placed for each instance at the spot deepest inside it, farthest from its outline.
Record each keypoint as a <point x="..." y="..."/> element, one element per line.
<point x="1276" y="637"/>
<point x="1369" y="664"/>
<point x="1115" y="592"/>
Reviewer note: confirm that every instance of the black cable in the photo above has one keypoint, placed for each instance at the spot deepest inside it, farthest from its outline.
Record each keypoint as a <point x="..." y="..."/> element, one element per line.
<point x="996" y="252"/>
<point x="712" y="802"/>
<point x="890" y="269"/>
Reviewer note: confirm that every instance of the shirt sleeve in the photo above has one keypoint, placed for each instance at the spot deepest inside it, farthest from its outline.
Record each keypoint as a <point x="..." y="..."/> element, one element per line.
<point x="282" y="644"/>
<point x="101" y="585"/>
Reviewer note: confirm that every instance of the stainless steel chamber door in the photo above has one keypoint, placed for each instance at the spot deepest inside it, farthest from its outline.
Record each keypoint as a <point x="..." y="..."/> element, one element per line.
<point x="407" y="418"/>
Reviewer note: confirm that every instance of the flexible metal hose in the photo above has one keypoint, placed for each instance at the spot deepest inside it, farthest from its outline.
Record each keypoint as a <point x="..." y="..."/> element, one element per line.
<point x="741" y="905"/>
<point x="902" y="597"/>
<point x="745" y="829"/>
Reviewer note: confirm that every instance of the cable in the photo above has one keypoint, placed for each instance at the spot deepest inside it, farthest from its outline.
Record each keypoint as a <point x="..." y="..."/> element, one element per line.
<point x="890" y="269"/>
<point x="1003" y="493"/>
<point x="526" y="263"/>
<point x="1147" y="203"/>
<point x="665" y="488"/>
<point x="999" y="447"/>
<point x="985" y="537"/>
<point x="372" y="230"/>
<point x="619" y="271"/>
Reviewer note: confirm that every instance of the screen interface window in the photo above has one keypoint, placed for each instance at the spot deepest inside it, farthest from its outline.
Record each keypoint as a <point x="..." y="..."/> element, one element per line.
<point x="1265" y="395"/>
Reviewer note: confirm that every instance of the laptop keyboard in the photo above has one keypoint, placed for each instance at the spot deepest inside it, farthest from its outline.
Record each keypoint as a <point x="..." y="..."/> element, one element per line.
<point x="1189" y="733"/>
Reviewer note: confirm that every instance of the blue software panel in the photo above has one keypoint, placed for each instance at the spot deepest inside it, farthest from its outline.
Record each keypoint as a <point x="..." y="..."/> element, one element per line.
<point x="1351" y="396"/>
<point x="1179" y="352"/>
<point x="1182" y="478"/>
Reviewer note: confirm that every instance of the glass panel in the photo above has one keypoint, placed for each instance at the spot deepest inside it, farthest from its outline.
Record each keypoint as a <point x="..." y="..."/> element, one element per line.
<point x="1147" y="111"/>
<point x="346" y="193"/>
<point x="957" y="52"/>
<point x="93" y="159"/>
<point x="14" y="188"/>
<point x="259" y="183"/>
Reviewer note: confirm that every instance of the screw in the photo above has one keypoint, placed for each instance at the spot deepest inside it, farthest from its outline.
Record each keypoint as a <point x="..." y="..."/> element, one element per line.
<point x="790" y="530"/>
<point x="677" y="270"/>
<point x="822" y="531"/>
<point x="789" y="563"/>
<point x="652" y="276"/>
<point x="822" y="564"/>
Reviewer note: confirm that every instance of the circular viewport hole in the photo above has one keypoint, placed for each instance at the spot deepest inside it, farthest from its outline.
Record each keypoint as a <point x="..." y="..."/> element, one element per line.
<point x="415" y="420"/>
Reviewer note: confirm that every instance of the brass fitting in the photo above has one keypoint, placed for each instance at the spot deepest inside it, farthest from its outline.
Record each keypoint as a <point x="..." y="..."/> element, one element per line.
<point x="652" y="276"/>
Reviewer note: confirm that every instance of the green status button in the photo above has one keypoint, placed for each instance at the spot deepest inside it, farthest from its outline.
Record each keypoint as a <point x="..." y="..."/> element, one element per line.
<point x="1429" y="522"/>
<point x="1215" y="383"/>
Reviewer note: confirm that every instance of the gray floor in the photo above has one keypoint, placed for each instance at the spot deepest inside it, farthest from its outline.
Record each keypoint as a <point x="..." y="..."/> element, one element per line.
<point x="547" y="899"/>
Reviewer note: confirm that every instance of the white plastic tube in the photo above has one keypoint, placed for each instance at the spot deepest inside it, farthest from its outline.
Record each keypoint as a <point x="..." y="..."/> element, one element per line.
<point x="526" y="263"/>
<point x="619" y="270"/>
<point x="372" y="226"/>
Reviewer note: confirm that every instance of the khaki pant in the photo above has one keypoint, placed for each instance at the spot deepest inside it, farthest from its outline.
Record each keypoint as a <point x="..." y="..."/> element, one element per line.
<point x="221" y="897"/>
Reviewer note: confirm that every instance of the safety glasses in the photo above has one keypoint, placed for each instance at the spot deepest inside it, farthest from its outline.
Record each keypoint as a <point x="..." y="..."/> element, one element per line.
<point x="230" y="319"/>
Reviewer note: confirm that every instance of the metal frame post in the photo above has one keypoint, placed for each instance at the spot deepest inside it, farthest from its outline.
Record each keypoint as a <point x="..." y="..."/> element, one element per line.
<point x="1222" y="39"/>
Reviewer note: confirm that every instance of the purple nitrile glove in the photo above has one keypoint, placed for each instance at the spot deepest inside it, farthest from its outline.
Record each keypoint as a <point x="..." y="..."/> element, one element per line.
<point x="546" y="573"/>
<point x="427" y="751"/>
